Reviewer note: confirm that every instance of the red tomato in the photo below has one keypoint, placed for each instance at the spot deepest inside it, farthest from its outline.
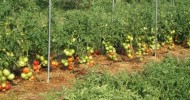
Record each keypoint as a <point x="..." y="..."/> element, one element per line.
<point x="1" y="88"/>
<point x="8" y="87"/>
<point x="36" y="62"/>
<point x="96" y="52"/>
<point x="35" y="67"/>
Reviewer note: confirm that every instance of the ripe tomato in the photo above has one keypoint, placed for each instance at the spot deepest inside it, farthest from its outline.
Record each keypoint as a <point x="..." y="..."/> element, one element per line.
<point x="36" y="62"/>
<point x="54" y="63"/>
<point x="70" y="59"/>
<point x="96" y="52"/>
<point x="91" y="63"/>
<point x="35" y="67"/>
<point x="26" y="70"/>
<point x="1" y="88"/>
<point x="70" y="67"/>
<point x="147" y="50"/>
<point x="70" y="63"/>
<point x="32" y="77"/>
<point x="7" y="87"/>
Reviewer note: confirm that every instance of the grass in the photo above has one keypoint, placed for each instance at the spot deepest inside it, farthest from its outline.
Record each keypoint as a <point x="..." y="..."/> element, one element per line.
<point x="168" y="79"/>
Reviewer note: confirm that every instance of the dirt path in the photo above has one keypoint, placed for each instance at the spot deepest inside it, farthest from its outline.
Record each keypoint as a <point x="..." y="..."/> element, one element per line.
<point x="34" y="90"/>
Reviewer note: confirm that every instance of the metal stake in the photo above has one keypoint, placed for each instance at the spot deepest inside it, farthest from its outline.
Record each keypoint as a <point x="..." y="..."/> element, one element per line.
<point x="156" y="31"/>
<point x="49" y="40"/>
<point x="113" y="7"/>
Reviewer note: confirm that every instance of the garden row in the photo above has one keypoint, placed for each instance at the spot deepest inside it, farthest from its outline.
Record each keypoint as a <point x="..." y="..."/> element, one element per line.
<point x="78" y="34"/>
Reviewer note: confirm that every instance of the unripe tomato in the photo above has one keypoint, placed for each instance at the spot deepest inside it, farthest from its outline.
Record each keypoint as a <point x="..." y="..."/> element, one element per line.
<point x="42" y="58"/>
<point x="23" y="75"/>
<point x="21" y="63"/>
<point x="6" y="72"/>
<point x="3" y="79"/>
<point x="29" y="74"/>
<point x="11" y="76"/>
<point x="25" y="59"/>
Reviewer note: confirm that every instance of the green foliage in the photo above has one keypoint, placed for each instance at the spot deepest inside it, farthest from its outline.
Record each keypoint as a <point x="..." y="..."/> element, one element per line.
<point x="168" y="79"/>
<point x="81" y="23"/>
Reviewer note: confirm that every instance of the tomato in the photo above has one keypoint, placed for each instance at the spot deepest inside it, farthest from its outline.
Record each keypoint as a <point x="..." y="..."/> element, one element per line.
<point x="1" y="88"/>
<point x="72" y="51"/>
<point x="23" y="75"/>
<point x="38" y="56"/>
<point x="21" y="63"/>
<point x="70" y="67"/>
<point x="65" y="63"/>
<point x="147" y="50"/>
<point x="7" y="87"/>
<point x="42" y="58"/>
<point x="54" y="63"/>
<point x="96" y="52"/>
<point x="111" y="53"/>
<point x="11" y="77"/>
<point x="29" y="74"/>
<point x="26" y="70"/>
<point x="35" y="67"/>
<point x="3" y="85"/>
<point x="32" y="77"/>
<point x="25" y="59"/>
<point x="70" y="63"/>
<point x="70" y="59"/>
<point x="45" y="62"/>
<point x="36" y="62"/>
<point x="3" y="79"/>
<point x="6" y="72"/>
<point x="91" y="63"/>
<point x="6" y="64"/>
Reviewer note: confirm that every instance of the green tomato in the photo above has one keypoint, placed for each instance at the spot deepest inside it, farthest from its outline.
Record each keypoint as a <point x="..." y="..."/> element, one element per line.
<point x="3" y="79"/>
<point x="6" y="72"/>
<point x="29" y="74"/>
<point x="42" y="58"/>
<point x="23" y="75"/>
<point x="21" y="58"/>
<point x="21" y="63"/>
<point x="67" y="53"/>
<point x="6" y="64"/>
<point x="72" y="51"/>
<point x="11" y="76"/>
<point x="110" y="47"/>
<point x="38" y="56"/>
<point x="45" y="62"/>
<point x="25" y="59"/>
<point x="3" y="84"/>
<point x="65" y="63"/>
<point x="91" y="51"/>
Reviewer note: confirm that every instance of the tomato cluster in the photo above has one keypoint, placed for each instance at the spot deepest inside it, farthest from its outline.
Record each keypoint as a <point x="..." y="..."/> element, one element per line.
<point x="69" y="60"/>
<point x="27" y="74"/>
<point x="5" y="76"/>
<point x="127" y="45"/>
<point x="110" y="51"/>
